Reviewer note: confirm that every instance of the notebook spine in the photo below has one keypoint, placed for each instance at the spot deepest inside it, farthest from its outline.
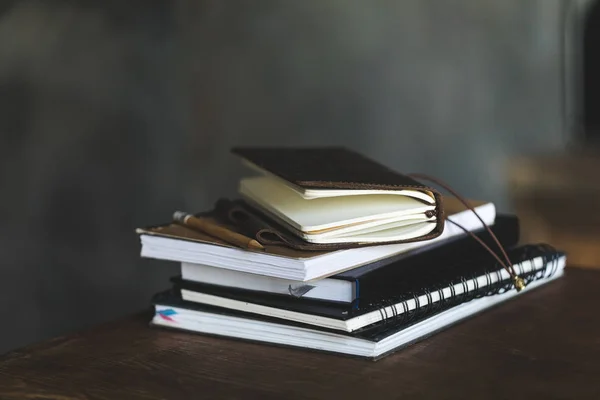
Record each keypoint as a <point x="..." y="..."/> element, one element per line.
<point x="411" y="307"/>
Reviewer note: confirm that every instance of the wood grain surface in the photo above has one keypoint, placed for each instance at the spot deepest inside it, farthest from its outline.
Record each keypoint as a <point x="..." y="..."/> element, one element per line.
<point x="545" y="344"/>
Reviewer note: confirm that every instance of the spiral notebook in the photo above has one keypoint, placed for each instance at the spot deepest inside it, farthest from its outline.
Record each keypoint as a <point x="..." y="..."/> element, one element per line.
<point x="420" y="284"/>
<point x="417" y="315"/>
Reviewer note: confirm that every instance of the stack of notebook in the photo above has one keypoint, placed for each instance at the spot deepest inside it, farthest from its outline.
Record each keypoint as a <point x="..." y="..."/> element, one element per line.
<point x="328" y="250"/>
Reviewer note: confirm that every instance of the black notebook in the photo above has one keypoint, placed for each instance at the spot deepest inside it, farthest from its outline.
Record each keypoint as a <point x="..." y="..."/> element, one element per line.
<point x="416" y="317"/>
<point x="421" y="282"/>
<point x="365" y="281"/>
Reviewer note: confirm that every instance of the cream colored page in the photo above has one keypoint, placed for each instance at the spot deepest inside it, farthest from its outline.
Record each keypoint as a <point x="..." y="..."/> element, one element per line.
<point x="324" y="213"/>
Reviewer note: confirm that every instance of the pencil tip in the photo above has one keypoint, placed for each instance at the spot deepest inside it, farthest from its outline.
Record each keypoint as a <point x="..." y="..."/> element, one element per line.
<point x="179" y="216"/>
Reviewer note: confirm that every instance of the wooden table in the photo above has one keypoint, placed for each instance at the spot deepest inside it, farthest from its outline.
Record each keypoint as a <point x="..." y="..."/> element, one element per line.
<point x="545" y="344"/>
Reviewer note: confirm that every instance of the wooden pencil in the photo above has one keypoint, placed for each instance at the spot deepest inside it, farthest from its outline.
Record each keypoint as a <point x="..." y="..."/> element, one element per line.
<point x="211" y="228"/>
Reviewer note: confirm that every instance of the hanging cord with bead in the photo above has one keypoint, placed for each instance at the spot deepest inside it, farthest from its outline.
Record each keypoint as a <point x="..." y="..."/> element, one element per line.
<point x="508" y="266"/>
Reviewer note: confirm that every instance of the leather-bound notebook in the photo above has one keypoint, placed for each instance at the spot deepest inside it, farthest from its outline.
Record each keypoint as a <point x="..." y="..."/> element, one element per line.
<point x="425" y="302"/>
<point x="332" y="195"/>
<point x="365" y="281"/>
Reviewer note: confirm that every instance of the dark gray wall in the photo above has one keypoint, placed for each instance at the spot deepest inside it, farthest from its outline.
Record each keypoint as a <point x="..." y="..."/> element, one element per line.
<point x="452" y="88"/>
<point x="114" y="115"/>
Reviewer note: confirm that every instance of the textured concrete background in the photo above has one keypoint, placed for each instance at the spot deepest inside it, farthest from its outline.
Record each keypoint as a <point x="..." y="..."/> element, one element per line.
<point x="114" y="115"/>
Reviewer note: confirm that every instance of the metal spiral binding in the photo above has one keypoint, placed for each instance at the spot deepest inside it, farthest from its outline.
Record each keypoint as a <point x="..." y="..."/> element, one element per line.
<point x="399" y="314"/>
